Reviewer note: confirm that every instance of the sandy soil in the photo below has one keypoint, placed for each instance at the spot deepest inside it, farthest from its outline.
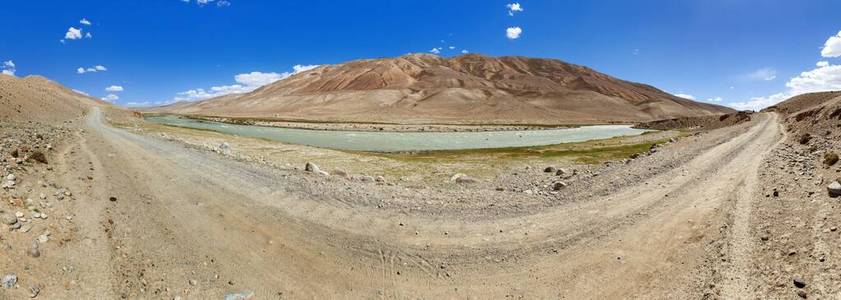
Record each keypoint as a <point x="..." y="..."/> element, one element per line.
<point x="154" y="218"/>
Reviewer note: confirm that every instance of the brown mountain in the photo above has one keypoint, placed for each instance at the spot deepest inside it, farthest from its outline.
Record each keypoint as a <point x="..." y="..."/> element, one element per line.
<point x="37" y="99"/>
<point x="424" y="88"/>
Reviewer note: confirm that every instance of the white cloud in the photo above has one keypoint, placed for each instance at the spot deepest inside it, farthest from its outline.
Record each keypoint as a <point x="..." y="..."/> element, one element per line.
<point x="685" y="96"/>
<point x="94" y="69"/>
<point x="716" y="99"/>
<point x="8" y="67"/>
<point x="513" y="32"/>
<point x="436" y="50"/>
<point x="245" y="83"/>
<point x="302" y="68"/>
<point x="114" y="88"/>
<point x="464" y="51"/>
<point x="766" y="74"/>
<point x="825" y="77"/>
<point x="81" y="92"/>
<point x="111" y="98"/>
<point x="220" y="3"/>
<point x="822" y="63"/>
<point x="73" y="34"/>
<point x="88" y="35"/>
<point x="832" y="46"/>
<point x="85" y="21"/>
<point x="514" y="8"/>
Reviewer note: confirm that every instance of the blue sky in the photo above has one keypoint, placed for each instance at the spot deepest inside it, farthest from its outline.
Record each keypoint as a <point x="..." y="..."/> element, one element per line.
<point x="748" y="54"/>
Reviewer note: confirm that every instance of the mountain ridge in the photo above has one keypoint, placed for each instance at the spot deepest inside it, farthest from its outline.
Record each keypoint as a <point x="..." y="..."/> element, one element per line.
<point x="472" y="88"/>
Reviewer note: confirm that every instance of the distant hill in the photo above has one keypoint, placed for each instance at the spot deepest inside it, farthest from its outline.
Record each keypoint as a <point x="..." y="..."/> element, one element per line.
<point x="35" y="98"/>
<point x="468" y="89"/>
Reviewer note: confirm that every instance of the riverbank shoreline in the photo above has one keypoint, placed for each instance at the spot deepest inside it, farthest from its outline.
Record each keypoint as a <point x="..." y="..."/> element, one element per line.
<point x="381" y="127"/>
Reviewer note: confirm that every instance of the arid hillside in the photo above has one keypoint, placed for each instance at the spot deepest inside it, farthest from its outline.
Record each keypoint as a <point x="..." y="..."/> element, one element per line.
<point x="472" y="89"/>
<point x="815" y="114"/>
<point x="37" y="99"/>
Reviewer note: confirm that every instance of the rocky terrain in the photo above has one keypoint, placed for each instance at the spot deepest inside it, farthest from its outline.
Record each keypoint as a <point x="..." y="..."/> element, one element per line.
<point x="468" y="89"/>
<point x="108" y="206"/>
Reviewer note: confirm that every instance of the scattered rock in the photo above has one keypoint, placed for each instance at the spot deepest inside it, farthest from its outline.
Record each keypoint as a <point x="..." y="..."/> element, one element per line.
<point x="804" y="139"/>
<point x="834" y="189"/>
<point x="802" y="294"/>
<point x="463" y="179"/>
<point x="8" y="218"/>
<point x="798" y="281"/>
<point x="561" y="172"/>
<point x="557" y="186"/>
<point x="830" y="158"/>
<point x="311" y="167"/>
<point x="243" y="295"/>
<point x="379" y="179"/>
<point x="39" y="157"/>
<point x="112" y="199"/>
<point x="34" y="291"/>
<point x="9" y="280"/>
<point x="550" y="169"/>
<point x="33" y="250"/>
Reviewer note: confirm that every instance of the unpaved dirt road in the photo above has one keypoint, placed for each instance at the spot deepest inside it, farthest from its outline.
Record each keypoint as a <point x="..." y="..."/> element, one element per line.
<point x="193" y="224"/>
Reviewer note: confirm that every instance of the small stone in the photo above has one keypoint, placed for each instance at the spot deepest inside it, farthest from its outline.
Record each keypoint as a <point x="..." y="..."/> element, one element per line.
<point x="19" y="215"/>
<point x="43" y="238"/>
<point x="243" y="295"/>
<point x="8" y="218"/>
<point x="33" y="250"/>
<point x="557" y="186"/>
<point x="550" y="169"/>
<point x="798" y="281"/>
<point x="311" y="167"/>
<point x="193" y="282"/>
<point x="9" y="280"/>
<point x="112" y="199"/>
<point x="15" y="226"/>
<point x="34" y="291"/>
<point x="802" y="294"/>
<point x="834" y="189"/>
<point x="11" y="177"/>
<point x="379" y="179"/>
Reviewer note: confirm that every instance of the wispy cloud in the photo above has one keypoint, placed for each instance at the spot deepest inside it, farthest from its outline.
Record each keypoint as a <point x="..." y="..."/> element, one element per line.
<point x="513" y="33"/>
<point x="73" y="34"/>
<point x="85" y="21"/>
<point x="8" y="67"/>
<point x="110" y="98"/>
<point x="94" y="69"/>
<point x="245" y="83"/>
<point x="824" y="77"/>
<point x="764" y="74"/>
<point x="514" y="8"/>
<point x="685" y="96"/>
<point x="114" y="88"/>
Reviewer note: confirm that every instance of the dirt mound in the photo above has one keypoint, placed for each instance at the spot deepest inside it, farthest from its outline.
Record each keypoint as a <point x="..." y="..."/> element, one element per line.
<point x="817" y="115"/>
<point x="468" y="89"/>
<point x="38" y="99"/>
<point x="698" y="123"/>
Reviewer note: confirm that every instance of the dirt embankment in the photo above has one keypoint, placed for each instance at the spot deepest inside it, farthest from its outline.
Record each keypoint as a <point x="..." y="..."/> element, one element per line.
<point x="698" y="123"/>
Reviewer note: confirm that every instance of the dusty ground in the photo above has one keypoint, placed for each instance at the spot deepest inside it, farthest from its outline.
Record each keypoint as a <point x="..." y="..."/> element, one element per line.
<point x="189" y="219"/>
